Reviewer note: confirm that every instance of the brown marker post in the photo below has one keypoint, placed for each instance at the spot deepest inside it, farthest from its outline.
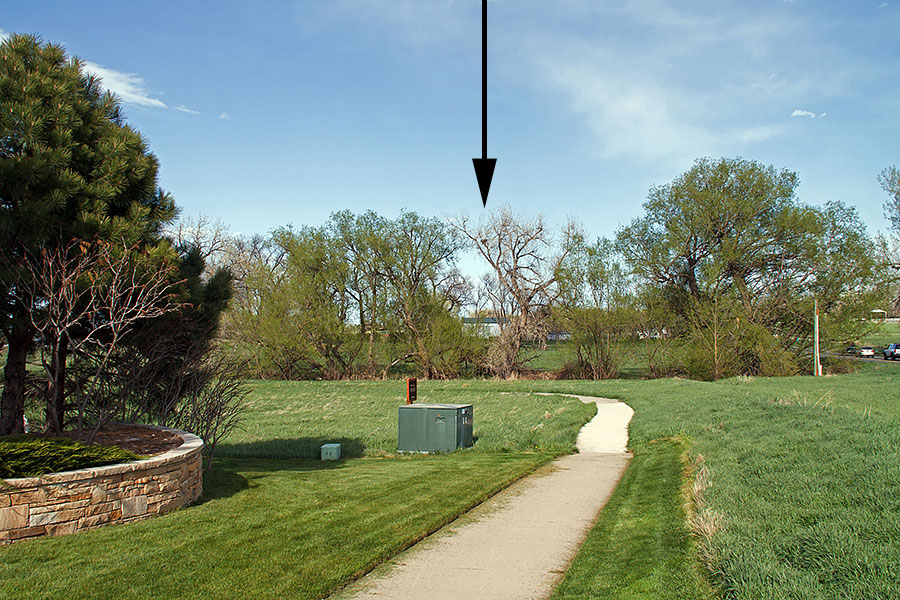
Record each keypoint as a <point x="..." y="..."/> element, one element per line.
<point x="410" y="390"/>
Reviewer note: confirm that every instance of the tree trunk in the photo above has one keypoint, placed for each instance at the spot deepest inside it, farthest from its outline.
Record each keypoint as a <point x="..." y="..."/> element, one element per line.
<point x="372" y="309"/>
<point x="56" y="403"/>
<point x="12" y="402"/>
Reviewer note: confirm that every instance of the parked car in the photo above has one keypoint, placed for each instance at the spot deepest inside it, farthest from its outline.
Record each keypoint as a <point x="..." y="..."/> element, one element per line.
<point x="851" y="350"/>
<point x="891" y="352"/>
<point x="866" y="352"/>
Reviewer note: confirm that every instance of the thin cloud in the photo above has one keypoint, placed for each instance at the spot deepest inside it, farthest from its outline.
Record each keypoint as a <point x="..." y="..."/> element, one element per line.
<point x="651" y="97"/>
<point x="421" y="23"/>
<point x="224" y="116"/>
<point x="804" y="113"/>
<point x="628" y="118"/>
<point x="648" y="96"/>
<point x="755" y="135"/>
<point x="129" y="87"/>
<point x="187" y="110"/>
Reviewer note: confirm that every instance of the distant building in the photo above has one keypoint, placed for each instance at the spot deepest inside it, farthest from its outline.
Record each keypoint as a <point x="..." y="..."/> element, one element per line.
<point x="653" y="334"/>
<point x="488" y="327"/>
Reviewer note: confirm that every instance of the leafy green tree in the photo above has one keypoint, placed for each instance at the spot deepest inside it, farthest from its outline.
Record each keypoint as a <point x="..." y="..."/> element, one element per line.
<point x="732" y="248"/>
<point x="415" y="257"/>
<point x="654" y="323"/>
<point x="364" y="239"/>
<point x="595" y="309"/>
<point x="359" y="281"/>
<point x="69" y="168"/>
<point x="319" y="302"/>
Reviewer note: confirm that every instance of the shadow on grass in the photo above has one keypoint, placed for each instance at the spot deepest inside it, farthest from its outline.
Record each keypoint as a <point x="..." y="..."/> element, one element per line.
<point x="221" y="482"/>
<point x="294" y="448"/>
<point x="229" y="476"/>
<point x="233" y="462"/>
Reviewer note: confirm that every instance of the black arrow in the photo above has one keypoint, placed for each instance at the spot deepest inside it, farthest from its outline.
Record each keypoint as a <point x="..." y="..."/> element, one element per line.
<point x="484" y="166"/>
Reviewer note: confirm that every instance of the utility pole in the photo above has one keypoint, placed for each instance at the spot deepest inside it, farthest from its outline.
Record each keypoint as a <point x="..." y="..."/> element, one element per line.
<point x="818" y="365"/>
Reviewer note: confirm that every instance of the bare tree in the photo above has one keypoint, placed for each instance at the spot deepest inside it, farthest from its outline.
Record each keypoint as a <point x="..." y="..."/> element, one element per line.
<point x="214" y="408"/>
<point x="525" y="267"/>
<point x="889" y="179"/>
<point x="210" y="238"/>
<point x="90" y="294"/>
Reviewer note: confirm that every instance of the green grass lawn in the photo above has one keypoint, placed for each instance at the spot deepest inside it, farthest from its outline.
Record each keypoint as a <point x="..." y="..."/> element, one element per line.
<point x="641" y="547"/>
<point x="273" y="523"/>
<point x="264" y="529"/>
<point x="803" y="498"/>
<point x="292" y="419"/>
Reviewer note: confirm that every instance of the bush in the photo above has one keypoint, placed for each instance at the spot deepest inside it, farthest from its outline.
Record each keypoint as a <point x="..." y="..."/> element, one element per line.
<point x="29" y="456"/>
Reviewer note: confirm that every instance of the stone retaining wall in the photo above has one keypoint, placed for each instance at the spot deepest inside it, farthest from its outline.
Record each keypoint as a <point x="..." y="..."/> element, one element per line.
<point x="61" y="503"/>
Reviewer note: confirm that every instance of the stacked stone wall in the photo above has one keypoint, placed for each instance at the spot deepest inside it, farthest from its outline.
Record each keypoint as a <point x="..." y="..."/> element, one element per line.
<point x="62" y="503"/>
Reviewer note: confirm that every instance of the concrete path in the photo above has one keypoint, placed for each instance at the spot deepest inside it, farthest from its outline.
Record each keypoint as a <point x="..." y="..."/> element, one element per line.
<point x="517" y="545"/>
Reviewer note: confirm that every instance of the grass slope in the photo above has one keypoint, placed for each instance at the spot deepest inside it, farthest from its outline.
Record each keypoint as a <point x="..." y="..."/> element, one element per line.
<point x="640" y="547"/>
<point x="267" y="529"/>
<point x="802" y="499"/>
<point x="804" y="494"/>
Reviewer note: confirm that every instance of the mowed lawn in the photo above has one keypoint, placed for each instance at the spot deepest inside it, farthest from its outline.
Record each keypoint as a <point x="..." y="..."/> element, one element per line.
<point x="276" y="523"/>
<point x="292" y="419"/>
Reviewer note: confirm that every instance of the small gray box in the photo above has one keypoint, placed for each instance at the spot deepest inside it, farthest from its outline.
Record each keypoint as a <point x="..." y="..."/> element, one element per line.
<point x="331" y="451"/>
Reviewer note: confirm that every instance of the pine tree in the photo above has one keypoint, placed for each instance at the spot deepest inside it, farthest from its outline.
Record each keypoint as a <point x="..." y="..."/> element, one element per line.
<point x="70" y="168"/>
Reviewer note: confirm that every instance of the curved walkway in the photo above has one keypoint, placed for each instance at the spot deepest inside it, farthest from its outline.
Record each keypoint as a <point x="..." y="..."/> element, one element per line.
<point x="517" y="545"/>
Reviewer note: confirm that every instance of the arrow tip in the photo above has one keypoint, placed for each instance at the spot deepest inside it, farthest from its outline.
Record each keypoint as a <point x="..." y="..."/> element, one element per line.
<point x="484" y="172"/>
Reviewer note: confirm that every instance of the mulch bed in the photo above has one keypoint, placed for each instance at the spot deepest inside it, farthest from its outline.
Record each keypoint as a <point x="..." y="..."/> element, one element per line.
<point x="141" y="440"/>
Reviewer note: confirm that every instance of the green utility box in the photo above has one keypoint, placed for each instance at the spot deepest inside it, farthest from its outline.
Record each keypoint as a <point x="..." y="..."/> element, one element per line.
<point x="434" y="427"/>
<point x="331" y="451"/>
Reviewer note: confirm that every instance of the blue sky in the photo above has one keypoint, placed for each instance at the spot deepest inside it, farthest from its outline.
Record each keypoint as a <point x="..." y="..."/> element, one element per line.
<point x="276" y="112"/>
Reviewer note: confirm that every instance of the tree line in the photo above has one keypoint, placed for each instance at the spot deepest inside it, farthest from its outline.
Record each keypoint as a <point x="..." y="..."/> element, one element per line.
<point x="719" y="277"/>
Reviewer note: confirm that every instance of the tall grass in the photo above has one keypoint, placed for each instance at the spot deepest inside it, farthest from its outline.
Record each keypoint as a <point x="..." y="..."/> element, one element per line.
<point x="640" y="547"/>
<point x="802" y="478"/>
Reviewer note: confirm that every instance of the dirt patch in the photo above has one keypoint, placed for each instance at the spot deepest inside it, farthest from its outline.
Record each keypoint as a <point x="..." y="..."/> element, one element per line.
<point x="145" y="441"/>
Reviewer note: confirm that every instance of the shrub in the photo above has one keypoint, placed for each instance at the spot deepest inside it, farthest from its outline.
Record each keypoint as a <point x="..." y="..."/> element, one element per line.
<point x="30" y="456"/>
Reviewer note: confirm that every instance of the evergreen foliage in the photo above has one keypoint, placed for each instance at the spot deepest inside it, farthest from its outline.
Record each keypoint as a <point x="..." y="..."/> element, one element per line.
<point x="28" y="456"/>
<point x="70" y="167"/>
